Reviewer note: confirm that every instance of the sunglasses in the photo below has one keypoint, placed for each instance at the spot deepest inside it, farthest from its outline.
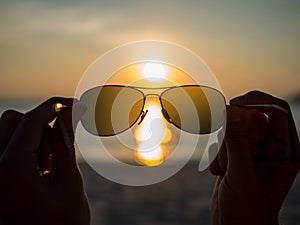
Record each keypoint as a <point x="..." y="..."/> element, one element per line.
<point x="112" y="109"/>
<point x="125" y="104"/>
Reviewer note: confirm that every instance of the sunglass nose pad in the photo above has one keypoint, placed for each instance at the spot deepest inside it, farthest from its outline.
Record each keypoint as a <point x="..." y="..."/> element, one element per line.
<point x="166" y="115"/>
<point x="144" y="113"/>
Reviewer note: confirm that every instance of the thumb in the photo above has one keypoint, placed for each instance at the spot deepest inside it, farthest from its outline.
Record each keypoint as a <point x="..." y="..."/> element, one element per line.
<point x="64" y="158"/>
<point x="237" y="141"/>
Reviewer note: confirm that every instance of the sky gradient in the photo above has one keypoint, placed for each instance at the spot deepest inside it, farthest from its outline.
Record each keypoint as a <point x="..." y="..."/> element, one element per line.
<point x="45" y="46"/>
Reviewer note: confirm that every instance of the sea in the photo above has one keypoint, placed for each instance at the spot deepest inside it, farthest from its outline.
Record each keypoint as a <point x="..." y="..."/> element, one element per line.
<point x="183" y="199"/>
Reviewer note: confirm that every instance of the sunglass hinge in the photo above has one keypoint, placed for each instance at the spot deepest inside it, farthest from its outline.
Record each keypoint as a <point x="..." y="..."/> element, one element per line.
<point x="143" y="116"/>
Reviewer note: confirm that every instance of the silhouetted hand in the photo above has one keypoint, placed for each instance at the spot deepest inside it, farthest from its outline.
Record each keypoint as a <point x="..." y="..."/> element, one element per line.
<point x="253" y="168"/>
<point x="27" y="143"/>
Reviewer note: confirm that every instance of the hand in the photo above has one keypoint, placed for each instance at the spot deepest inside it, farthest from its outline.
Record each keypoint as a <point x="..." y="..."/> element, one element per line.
<point x="253" y="168"/>
<point x="27" y="144"/>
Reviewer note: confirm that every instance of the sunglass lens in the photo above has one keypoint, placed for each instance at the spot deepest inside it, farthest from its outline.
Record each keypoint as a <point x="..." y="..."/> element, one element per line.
<point x="111" y="109"/>
<point x="194" y="109"/>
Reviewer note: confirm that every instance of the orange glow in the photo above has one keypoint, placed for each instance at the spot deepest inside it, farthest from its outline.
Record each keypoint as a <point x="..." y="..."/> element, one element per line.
<point x="142" y="74"/>
<point x="151" y="134"/>
<point x="151" y="158"/>
<point x="58" y="107"/>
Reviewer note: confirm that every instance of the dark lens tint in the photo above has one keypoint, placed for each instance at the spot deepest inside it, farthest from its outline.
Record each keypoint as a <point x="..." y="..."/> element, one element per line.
<point x="111" y="109"/>
<point x="195" y="109"/>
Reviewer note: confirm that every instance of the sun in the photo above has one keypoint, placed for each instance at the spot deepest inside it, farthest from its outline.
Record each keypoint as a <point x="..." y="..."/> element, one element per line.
<point x="154" y="71"/>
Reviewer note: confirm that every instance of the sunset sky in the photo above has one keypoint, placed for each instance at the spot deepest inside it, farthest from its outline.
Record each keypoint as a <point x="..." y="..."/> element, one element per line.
<point x="45" y="46"/>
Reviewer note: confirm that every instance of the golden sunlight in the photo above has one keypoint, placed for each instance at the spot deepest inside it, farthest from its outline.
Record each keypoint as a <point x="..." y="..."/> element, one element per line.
<point x="150" y="134"/>
<point x="154" y="71"/>
<point x="150" y="74"/>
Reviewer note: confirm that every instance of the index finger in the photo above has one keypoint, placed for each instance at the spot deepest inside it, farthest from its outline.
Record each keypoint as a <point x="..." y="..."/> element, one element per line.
<point x="28" y="134"/>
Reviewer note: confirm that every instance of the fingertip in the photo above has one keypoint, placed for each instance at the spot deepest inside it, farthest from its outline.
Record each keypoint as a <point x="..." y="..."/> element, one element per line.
<point x="65" y="101"/>
<point x="259" y="97"/>
<point x="9" y="122"/>
<point x="11" y="115"/>
<point x="237" y="100"/>
<point x="45" y="113"/>
<point x="251" y="95"/>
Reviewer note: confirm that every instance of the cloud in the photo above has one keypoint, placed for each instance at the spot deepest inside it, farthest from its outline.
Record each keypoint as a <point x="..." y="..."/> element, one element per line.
<point x="40" y="19"/>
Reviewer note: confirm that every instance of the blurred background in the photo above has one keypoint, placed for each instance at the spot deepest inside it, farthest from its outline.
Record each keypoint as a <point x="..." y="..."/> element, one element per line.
<point x="45" y="47"/>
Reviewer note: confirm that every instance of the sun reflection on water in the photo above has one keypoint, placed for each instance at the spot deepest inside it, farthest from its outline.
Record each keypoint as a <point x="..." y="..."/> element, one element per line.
<point x="151" y="134"/>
